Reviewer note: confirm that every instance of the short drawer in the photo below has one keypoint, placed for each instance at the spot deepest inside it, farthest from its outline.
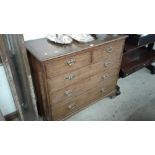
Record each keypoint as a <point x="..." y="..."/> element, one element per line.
<point x="110" y="51"/>
<point x="79" y="88"/>
<point x="65" y="80"/>
<point x="64" y="109"/>
<point x="66" y="64"/>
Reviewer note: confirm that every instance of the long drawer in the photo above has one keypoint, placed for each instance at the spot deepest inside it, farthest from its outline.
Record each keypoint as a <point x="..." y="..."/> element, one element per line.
<point x="67" y="63"/>
<point x="64" y="109"/>
<point x="62" y="81"/>
<point x="109" y="51"/>
<point x="79" y="88"/>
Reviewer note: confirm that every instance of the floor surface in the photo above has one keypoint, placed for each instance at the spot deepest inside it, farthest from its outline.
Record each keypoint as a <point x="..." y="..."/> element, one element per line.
<point x="136" y="102"/>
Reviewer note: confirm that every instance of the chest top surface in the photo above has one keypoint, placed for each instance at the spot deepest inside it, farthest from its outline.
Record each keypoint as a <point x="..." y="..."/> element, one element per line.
<point x="42" y="49"/>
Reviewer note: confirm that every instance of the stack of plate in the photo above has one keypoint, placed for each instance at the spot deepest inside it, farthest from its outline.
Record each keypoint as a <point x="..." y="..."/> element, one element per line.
<point x="83" y="38"/>
<point x="60" y="38"/>
<point x="68" y="38"/>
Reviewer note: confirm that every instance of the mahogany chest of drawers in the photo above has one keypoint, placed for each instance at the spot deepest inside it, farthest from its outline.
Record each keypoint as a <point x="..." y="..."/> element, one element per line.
<point x="68" y="78"/>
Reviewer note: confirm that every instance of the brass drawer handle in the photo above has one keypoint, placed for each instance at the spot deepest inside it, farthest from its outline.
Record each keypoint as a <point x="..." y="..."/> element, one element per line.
<point x="68" y="93"/>
<point x="104" y="77"/>
<point x="102" y="90"/>
<point x="106" y="64"/>
<point x="71" y="62"/>
<point x="70" y="77"/>
<point x="72" y="106"/>
<point x="109" y="49"/>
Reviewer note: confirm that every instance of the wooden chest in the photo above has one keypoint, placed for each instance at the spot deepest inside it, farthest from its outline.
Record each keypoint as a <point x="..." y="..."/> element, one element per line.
<point x="68" y="78"/>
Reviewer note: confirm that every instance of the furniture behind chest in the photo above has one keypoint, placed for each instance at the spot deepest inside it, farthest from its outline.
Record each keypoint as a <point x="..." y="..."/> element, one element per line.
<point x="138" y="53"/>
<point x="68" y="78"/>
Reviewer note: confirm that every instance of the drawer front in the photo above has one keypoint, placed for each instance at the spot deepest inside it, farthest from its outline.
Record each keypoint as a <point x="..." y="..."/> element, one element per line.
<point x="109" y="51"/>
<point x="62" y="110"/>
<point x="67" y="64"/>
<point x="62" y="81"/>
<point x="79" y="88"/>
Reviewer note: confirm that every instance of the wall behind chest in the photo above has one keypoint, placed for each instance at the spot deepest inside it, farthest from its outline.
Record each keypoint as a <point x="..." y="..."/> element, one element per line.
<point x="34" y="36"/>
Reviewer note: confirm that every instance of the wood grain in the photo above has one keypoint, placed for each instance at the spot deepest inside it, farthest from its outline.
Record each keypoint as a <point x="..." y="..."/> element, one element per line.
<point x="62" y="81"/>
<point x="80" y="87"/>
<point x="107" y="51"/>
<point x="76" y="76"/>
<point x="67" y="64"/>
<point x="68" y="108"/>
<point x="44" y="50"/>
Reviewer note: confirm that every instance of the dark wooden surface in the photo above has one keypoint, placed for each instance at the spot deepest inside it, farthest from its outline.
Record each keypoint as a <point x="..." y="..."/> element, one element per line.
<point x="136" y="57"/>
<point x="139" y="40"/>
<point x="42" y="49"/>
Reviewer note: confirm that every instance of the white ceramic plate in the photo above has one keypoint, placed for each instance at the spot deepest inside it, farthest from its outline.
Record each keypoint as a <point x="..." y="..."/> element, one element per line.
<point x="60" y="38"/>
<point x="84" y="38"/>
